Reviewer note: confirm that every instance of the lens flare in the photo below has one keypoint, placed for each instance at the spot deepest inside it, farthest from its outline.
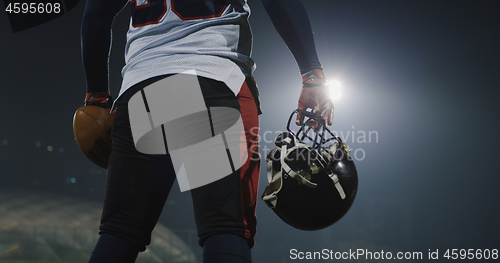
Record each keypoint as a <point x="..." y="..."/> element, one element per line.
<point x="335" y="91"/>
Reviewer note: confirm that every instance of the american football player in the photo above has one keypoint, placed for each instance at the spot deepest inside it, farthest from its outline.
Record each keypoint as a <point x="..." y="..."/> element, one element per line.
<point x="213" y="38"/>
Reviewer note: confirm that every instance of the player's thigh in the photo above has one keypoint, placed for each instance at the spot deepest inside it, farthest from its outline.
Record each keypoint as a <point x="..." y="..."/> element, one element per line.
<point x="137" y="184"/>
<point x="228" y="205"/>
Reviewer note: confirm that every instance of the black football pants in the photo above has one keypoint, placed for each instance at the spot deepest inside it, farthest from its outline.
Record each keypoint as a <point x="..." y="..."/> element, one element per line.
<point x="138" y="184"/>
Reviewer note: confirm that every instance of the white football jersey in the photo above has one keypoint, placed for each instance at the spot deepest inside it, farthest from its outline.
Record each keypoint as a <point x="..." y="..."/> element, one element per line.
<point x="175" y="36"/>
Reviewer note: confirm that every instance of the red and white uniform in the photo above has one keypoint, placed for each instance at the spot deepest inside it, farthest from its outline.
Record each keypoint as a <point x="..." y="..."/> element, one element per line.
<point x="215" y="43"/>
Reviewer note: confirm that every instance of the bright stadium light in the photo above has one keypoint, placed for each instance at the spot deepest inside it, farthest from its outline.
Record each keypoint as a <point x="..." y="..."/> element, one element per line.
<point x="335" y="91"/>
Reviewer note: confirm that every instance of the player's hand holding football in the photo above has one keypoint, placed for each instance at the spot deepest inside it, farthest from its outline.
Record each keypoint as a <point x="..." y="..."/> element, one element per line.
<point x="101" y="99"/>
<point x="315" y="95"/>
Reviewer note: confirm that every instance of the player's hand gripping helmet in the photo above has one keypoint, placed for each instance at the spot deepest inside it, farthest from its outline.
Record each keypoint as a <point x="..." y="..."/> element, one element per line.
<point x="310" y="187"/>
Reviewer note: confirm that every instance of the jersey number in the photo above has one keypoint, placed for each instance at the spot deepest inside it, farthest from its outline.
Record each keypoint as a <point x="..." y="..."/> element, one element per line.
<point x="153" y="10"/>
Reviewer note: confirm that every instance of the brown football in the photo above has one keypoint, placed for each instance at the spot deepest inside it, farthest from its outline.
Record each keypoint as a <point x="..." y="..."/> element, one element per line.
<point x="92" y="129"/>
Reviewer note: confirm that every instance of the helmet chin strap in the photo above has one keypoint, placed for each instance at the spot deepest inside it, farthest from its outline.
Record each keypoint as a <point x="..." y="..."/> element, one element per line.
<point x="286" y="168"/>
<point x="335" y="180"/>
<point x="275" y="178"/>
<point x="284" y="154"/>
<point x="275" y="182"/>
<point x="329" y="153"/>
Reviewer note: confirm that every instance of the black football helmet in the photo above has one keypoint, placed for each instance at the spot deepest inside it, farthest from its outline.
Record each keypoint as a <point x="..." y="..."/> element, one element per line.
<point x="312" y="179"/>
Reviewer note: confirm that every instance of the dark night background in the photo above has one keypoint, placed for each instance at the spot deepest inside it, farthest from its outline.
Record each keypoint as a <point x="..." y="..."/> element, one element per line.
<point x="424" y="76"/>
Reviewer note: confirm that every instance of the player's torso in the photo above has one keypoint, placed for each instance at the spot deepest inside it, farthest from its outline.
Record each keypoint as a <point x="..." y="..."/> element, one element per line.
<point x="171" y="36"/>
